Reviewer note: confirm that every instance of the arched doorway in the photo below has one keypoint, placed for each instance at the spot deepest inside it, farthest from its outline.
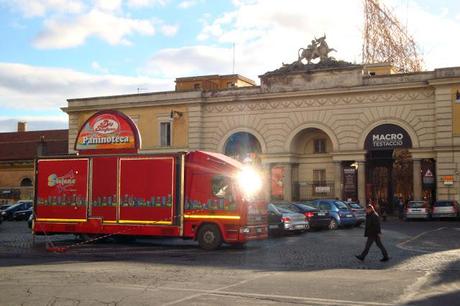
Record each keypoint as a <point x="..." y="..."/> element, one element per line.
<point x="313" y="176"/>
<point x="391" y="171"/>
<point x="243" y="146"/>
<point x="26" y="182"/>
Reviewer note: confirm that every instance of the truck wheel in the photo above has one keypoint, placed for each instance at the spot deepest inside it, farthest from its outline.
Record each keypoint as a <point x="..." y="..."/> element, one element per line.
<point x="209" y="237"/>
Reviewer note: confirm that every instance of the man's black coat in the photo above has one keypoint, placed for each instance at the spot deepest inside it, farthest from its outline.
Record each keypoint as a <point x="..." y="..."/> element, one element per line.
<point x="372" y="225"/>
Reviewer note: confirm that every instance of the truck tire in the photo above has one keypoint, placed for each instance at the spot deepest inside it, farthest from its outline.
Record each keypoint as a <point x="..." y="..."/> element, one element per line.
<point x="209" y="237"/>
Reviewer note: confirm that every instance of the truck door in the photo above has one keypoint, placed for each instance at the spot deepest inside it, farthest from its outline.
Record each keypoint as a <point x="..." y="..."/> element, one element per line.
<point x="104" y="198"/>
<point x="147" y="190"/>
<point x="62" y="190"/>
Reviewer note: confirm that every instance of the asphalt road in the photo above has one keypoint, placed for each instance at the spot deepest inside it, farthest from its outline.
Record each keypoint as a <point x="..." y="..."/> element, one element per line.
<point x="316" y="268"/>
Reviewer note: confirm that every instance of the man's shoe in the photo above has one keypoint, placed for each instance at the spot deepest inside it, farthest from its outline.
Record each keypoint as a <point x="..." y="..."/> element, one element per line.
<point x="359" y="257"/>
<point x="385" y="259"/>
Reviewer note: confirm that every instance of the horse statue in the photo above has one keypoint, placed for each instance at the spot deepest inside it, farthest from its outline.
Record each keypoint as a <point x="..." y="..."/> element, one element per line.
<point x="317" y="48"/>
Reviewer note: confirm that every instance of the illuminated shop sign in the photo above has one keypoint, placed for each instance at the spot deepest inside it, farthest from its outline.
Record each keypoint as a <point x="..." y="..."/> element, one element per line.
<point x="108" y="130"/>
<point x="387" y="137"/>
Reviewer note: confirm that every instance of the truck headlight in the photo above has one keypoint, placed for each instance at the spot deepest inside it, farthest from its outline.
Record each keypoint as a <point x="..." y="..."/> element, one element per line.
<point x="250" y="182"/>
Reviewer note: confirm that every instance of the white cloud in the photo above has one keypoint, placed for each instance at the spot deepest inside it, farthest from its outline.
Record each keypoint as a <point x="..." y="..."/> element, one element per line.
<point x="145" y="3"/>
<point x="269" y="32"/>
<point x="432" y="31"/>
<point x="188" y="61"/>
<point x="266" y="33"/>
<point x="36" y="8"/>
<point x="169" y="30"/>
<point x="187" y="4"/>
<point x="62" y="33"/>
<point x="98" y="68"/>
<point x="108" y="5"/>
<point x="46" y="89"/>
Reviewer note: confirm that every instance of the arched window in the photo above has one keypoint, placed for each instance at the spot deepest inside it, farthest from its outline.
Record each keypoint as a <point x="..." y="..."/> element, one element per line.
<point x="243" y="146"/>
<point x="26" y="182"/>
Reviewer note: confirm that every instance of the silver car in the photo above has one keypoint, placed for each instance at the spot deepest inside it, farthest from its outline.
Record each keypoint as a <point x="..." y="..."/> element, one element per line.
<point x="286" y="220"/>
<point x="446" y="209"/>
<point x="417" y="210"/>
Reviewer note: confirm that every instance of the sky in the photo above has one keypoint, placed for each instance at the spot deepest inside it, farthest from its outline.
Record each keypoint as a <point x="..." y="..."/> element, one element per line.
<point x="54" y="50"/>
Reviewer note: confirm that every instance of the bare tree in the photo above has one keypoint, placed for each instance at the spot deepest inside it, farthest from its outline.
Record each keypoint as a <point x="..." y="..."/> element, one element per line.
<point x="386" y="40"/>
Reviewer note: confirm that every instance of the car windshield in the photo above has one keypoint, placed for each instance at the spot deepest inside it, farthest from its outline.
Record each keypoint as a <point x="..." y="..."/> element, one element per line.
<point x="282" y="205"/>
<point x="14" y="206"/>
<point x="443" y="204"/>
<point x="341" y="205"/>
<point x="305" y="207"/>
<point x="355" y="205"/>
<point x="419" y="204"/>
<point x="284" y="211"/>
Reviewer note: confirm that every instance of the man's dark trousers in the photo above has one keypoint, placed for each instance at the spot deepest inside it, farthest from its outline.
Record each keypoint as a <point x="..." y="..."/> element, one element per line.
<point x="369" y="242"/>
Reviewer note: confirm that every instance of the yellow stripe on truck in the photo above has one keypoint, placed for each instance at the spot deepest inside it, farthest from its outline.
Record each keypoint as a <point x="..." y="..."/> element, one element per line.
<point x="59" y="220"/>
<point x="212" y="217"/>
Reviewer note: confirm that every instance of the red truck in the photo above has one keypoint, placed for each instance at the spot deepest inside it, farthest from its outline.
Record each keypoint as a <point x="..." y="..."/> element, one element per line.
<point x="197" y="195"/>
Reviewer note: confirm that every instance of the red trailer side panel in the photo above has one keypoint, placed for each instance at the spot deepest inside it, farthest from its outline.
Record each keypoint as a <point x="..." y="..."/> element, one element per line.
<point x="62" y="193"/>
<point x="147" y="190"/>
<point x="104" y="192"/>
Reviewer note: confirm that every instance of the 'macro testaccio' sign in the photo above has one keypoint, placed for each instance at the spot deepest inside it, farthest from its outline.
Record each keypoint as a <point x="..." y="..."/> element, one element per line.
<point x="107" y="131"/>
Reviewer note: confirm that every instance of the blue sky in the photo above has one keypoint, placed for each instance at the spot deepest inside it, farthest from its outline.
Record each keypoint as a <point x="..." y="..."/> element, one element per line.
<point x="53" y="50"/>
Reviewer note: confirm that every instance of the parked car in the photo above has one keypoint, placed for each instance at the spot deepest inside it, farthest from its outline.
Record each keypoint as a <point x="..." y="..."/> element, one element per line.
<point x="7" y="214"/>
<point x="4" y="206"/>
<point x="22" y="214"/>
<point x="315" y="217"/>
<point x="417" y="210"/>
<point x="340" y="214"/>
<point x="281" y="220"/>
<point x="30" y="220"/>
<point x="446" y="209"/>
<point x="358" y="211"/>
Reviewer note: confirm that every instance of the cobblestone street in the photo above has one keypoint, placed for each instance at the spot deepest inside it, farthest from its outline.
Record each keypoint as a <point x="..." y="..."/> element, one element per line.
<point x="316" y="268"/>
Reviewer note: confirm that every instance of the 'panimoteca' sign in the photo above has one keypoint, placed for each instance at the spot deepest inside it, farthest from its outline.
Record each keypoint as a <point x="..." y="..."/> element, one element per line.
<point x="108" y="130"/>
<point x="387" y="137"/>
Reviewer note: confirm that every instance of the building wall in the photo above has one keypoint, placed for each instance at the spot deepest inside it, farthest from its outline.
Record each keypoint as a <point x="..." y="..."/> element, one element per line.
<point x="148" y="121"/>
<point x="11" y="176"/>
<point x="343" y="104"/>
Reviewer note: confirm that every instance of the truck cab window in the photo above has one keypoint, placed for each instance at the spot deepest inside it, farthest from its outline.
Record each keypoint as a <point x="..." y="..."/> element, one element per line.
<point x="221" y="187"/>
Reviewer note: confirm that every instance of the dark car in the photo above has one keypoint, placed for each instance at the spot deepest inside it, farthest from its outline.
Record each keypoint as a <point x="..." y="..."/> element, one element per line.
<point x="4" y="206"/>
<point x="340" y="214"/>
<point x="8" y="213"/>
<point x="316" y="218"/>
<point x="21" y="215"/>
<point x="281" y="220"/>
<point x="358" y="211"/>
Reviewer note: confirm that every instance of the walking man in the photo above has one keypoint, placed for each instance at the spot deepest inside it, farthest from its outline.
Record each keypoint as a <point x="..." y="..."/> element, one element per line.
<point x="372" y="232"/>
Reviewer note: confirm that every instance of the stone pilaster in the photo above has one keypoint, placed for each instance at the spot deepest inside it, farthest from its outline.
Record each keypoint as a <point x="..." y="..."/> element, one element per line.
<point x="417" y="179"/>
<point x="362" y="182"/>
<point x="338" y="181"/>
<point x="287" y="183"/>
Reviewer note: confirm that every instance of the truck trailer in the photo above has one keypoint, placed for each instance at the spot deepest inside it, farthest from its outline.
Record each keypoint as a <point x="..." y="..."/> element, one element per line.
<point x="199" y="195"/>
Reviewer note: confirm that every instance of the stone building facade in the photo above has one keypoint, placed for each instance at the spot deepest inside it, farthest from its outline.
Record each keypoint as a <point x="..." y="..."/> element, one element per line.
<point x="314" y="125"/>
<point x="18" y="152"/>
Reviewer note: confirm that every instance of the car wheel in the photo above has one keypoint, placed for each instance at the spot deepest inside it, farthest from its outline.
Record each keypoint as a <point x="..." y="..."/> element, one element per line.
<point x="209" y="237"/>
<point x="333" y="225"/>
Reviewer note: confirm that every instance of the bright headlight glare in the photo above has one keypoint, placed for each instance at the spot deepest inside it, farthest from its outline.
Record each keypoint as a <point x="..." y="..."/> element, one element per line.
<point x="249" y="181"/>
